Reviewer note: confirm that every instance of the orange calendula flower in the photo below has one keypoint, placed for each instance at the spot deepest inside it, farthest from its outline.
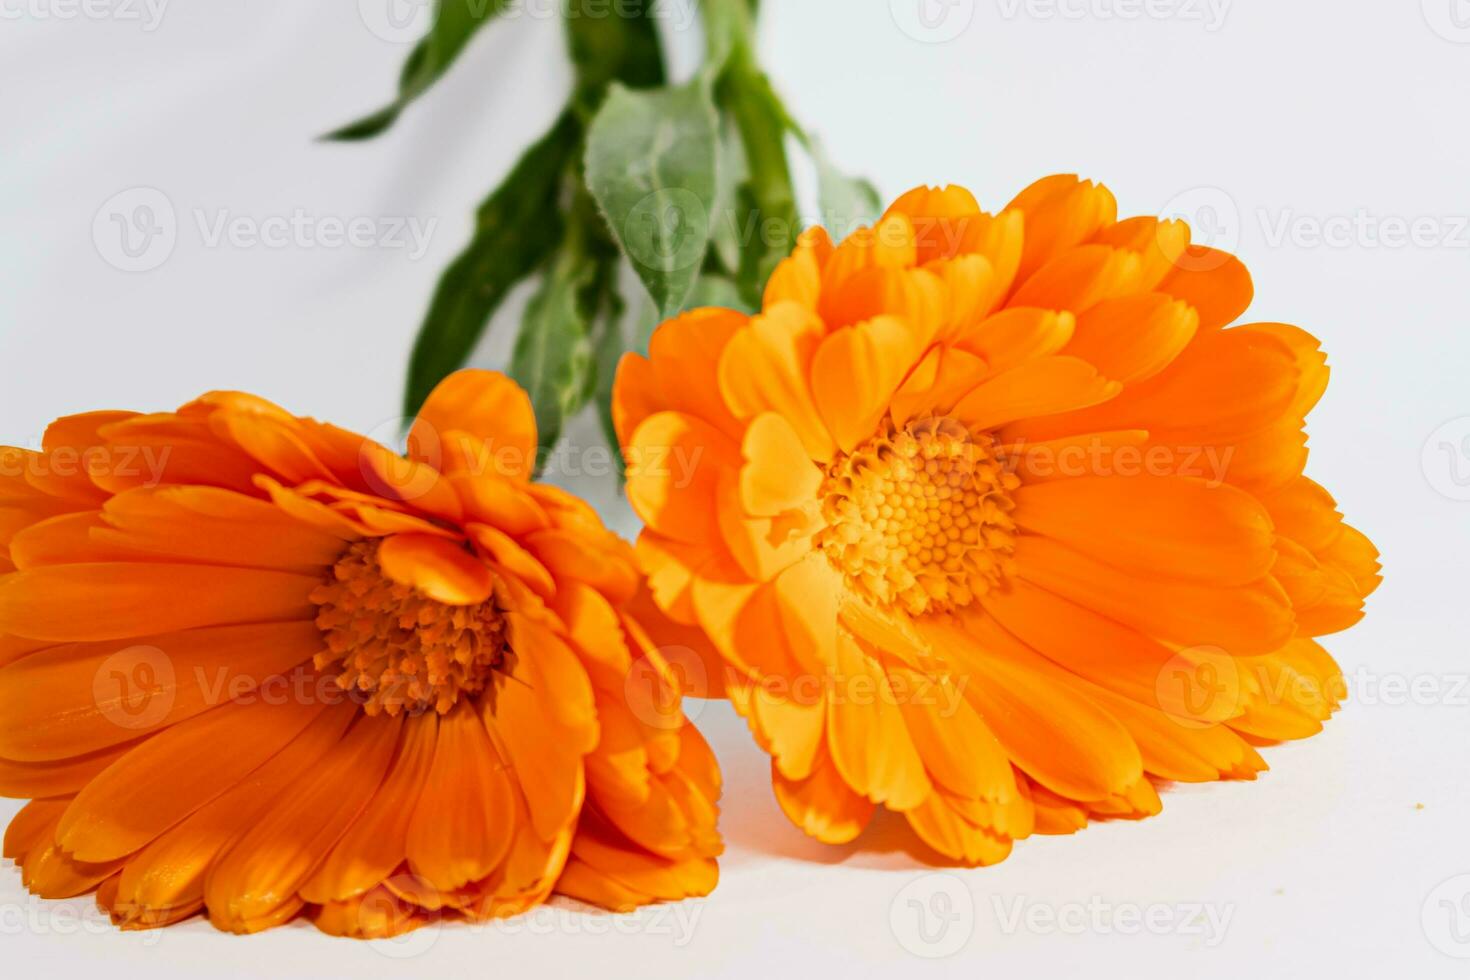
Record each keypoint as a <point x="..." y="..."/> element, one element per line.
<point x="255" y="666"/>
<point x="992" y="519"/>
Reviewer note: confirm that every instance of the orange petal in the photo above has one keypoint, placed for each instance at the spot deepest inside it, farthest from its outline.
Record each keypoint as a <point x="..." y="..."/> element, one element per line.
<point x="1135" y="337"/>
<point x="798" y="279"/>
<point x="262" y="871"/>
<point x="33" y="826"/>
<point x="674" y="465"/>
<point x="546" y="762"/>
<point x="85" y="697"/>
<point x="63" y="777"/>
<point x="607" y="870"/>
<point x="866" y="734"/>
<point x="822" y="804"/>
<point x="499" y="502"/>
<point x="1061" y="738"/>
<point x="1244" y="620"/>
<point x="766" y="366"/>
<point x="1061" y="211"/>
<point x="685" y="353"/>
<point x="377" y="842"/>
<point x="1046" y="386"/>
<point x="777" y="475"/>
<point x="855" y="372"/>
<point x="165" y="880"/>
<point x="442" y="570"/>
<point x="1017" y="335"/>
<point x="1311" y="363"/>
<point x="1215" y="283"/>
<point x="959" y="750"/>
<point x="938" y="216"/>
<point x="217" y="526"/>
<point x="504" y="551"/>
<point x="936" y="383"/>
<point x="940" y="825"/>
<point x="1080" y="278"/>
<point x="1161" y="526"/>
<point x="464" y="820"/>
<point x="124" y="599"/>
<point x="1160" y="244"/>
<point x="177" y="771"/>
<point x="487" y="407"/>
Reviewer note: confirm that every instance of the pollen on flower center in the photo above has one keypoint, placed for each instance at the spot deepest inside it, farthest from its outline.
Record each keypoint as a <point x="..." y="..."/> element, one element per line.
<point x="396" y="649"/>
<point x="919" y="517"/>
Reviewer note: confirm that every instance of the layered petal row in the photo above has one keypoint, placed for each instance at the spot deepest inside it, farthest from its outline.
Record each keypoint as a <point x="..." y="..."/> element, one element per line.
<point x="996" y="520"/>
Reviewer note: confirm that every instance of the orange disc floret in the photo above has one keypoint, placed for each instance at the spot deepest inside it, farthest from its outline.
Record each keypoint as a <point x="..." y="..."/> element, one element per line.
<point x="253" y="667"/>
<point x="994" y="519"/>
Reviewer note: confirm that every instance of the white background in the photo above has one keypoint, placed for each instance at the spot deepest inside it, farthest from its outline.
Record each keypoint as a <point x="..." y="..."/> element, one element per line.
<point x="1265" y="119"/>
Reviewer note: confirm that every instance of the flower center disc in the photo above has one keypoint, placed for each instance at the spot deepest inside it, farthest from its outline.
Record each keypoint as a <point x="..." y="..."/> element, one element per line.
<point x="394" y="648"/>
<point x="919" y="517"/>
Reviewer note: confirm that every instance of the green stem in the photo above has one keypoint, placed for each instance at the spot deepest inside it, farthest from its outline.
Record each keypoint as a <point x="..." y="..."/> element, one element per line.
<point x="744" y="91"/>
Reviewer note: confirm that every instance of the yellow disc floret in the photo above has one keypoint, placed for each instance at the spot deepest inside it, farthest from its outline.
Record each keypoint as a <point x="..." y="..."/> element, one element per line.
<point x="919" y="517"/>
<point x="395" y="648"/>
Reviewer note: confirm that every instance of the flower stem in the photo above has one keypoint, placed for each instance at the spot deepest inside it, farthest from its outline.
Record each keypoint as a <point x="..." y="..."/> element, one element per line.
<point x="744" y="91"/>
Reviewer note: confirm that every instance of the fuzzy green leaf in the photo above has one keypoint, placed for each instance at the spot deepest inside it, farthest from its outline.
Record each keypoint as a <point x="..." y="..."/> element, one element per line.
<point x="765" y="201"/>
<point x="847" y="203"/>
<point x="553" y="354"/>
<point x="604" y="49"/>
<point x="610" y="343"/>
<point x="651" y="167"/>
<point x="717" y="290"/>
<point x="518" y="226"/>
<point x="455" y="22"/>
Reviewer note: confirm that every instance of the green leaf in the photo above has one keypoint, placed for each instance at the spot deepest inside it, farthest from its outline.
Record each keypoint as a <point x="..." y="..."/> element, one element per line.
<point x="620" y="48"/>
<point x="553" y="354"/>
<point x="847" y="203"/>
<point x="765" y="201"/>
<point x="768" y="235"/>
<point x="645" y="322"/>
<point x="609" y="346"/>
<point x="556" y="356"/>
<point x="716" y="290"/>
<point x="518" y="226"/>
<point x="727" y="234"/>
<point x="727" y="24"/>
<point x="651" y="167"/>
<point x="455" y="22"/>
